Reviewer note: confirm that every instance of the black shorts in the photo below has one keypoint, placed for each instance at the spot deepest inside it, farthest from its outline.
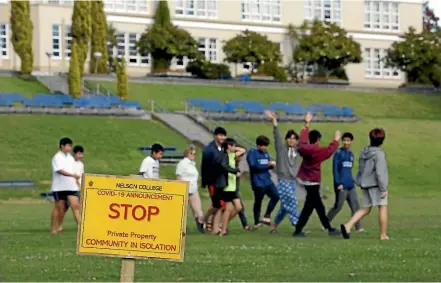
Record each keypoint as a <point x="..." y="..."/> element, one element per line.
<point x="229" y="196"/>
<point x="62" y="195"/>
<point x="216" y="197"/>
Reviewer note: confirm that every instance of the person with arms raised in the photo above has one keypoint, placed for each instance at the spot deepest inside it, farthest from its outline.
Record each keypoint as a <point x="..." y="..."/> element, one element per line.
<point x="287" y="168"/>
<point x="310" y="176"/>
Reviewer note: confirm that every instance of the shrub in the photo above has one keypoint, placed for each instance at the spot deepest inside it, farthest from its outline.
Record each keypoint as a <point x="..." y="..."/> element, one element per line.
<point x="206" y="70"/>
<point x="274" y="70"/>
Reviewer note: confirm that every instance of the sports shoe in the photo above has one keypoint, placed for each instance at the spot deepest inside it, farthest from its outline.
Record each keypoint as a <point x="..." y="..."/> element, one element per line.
<point x="334" y="233"/>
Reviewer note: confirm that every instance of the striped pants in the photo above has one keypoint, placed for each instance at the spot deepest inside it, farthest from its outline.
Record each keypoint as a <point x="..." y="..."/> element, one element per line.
<point x="288" y="202"/>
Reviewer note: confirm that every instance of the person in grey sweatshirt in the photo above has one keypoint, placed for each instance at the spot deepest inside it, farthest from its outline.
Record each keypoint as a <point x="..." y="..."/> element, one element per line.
<point x="287" y="167"/>
<point x="373" y="179"/>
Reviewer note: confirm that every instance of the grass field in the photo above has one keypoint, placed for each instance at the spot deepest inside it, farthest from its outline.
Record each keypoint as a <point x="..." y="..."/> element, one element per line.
<point x="17" y="85"/>
<point x="29" y="253"/>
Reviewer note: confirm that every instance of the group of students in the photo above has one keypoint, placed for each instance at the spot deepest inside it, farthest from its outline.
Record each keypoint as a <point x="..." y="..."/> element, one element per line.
<point x="67" y="170"/>
<point x="220" y="173"/>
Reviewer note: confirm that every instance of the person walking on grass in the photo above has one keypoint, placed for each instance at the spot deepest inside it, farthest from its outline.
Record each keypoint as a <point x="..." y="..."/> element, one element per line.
<point x="310" y="176"/>
<point x="287" y="168"/>
<point x="260" y="165"/>
<point x="344" y="187"/>
<point x="78" y="169"/>
<point x="373" y="179"/>
<point x="233" y="204"/>
<point x="209" y="165"/>
<point x="186" y="171"/>
<point x="150" y="165"/>
<point x="242" y="216"/>
<point x="64" y="185"/>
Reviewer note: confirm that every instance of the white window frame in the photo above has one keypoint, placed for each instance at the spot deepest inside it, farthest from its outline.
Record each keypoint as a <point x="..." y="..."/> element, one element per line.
<point x="60" y="43"/>
<point x="211" y="53"/>
<point x="388" y="16"/>
<point x="374" y="65"/>
<point x="4" y="51"/>
<point x="318" y="9"/>
<point x="264" y="11"/>
<point x="196" y="8"/>
<point x="56" y="2"/>
<point x="126" y="6"/>
<point x="67" y="42"/>
<point x="125" y="47"/>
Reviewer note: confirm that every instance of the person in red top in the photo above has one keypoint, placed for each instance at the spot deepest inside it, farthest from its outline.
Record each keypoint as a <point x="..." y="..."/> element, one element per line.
<point x="310" y="176"/>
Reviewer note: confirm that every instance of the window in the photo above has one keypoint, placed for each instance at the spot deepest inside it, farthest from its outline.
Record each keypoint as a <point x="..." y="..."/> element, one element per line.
<point x="208" y="47"/>
<point x="56" y="41"/>
<point x="126" y="6"/>
<point x="126" y="45"/>
<point x="4" y="38"/>
<point x="67" y="42"/>
<point x="375" y="65"/>
<point x="58" y="2"/>
<point x="261" y="10"/>
<point x="323" y="10"/>
<point x="197" y="8"/>
<point x="381" y="15"/>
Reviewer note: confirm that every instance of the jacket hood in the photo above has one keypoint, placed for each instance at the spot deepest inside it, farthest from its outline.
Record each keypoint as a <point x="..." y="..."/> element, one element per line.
<point x="369" y="152"/>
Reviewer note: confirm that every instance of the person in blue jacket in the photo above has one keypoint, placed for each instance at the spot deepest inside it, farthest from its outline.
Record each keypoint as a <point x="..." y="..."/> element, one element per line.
<point x="260" y="165"/>
<point x="344" y="186"/>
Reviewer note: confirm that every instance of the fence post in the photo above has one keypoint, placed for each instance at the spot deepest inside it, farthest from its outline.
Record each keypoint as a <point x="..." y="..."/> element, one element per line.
<point x="153" y="106"/>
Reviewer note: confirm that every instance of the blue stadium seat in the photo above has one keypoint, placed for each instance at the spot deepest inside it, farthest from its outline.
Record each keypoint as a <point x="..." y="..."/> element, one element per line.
<point x="130" y="104"/>
<point x="113" y="99"/>
<point x="294" y="109"/>
<point x="28" y="102"/>
<point x="12" y="97"/>
<point x="277" y="106"/>
<point x="254" y="108"/>
<point x="212" y="107"/>
<point x="78" y="103"/>
<point x="229" y="108"/>
<point x="197" y="102"/>
<point x="51" y="103"/>
<point x="332" y="111"/>
<point x="5" y="103"/>
<point x="347" y="111"/>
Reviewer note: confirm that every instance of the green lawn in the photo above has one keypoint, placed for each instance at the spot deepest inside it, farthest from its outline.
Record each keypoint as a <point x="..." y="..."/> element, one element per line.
<point x="30" y="141"/>
<point x="366" y="105"/>
<point x="29" y="253"/>
<point x="17" y="85"/>
<point x="412" y="148"/>
<point x="412" y="123"/>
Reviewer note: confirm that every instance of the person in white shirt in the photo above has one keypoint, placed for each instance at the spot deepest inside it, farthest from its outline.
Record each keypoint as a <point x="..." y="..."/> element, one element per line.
<point x="64" y="186"/>
<point x="186" y="171"/>
<point x="78" y="169"/>
<point x="150" y="164"/>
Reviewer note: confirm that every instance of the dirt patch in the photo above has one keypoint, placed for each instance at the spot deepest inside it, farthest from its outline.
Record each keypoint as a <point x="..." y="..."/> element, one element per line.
<point x="23" y="201"/>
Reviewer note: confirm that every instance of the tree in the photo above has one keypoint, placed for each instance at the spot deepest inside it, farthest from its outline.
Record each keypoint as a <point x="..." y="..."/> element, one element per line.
<point x="99" y="39"/>
<point x="81" y="30"/>
<point x="74" y="78"/>
<point x="111" y="43"/>
<point x="21" y="26"/>
<point x="252" y="47"/>
<point x="164" y="41"/>
<point x="123" y="83"/>
<point x="418" y="55"/>
<point x="430" y="20"/>
<point x="326" y="45"/>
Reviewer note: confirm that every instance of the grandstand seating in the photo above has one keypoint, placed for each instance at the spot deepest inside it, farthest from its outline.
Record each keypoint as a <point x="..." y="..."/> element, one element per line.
<point x="65" y="104"/>
<point x="253" y="110"/>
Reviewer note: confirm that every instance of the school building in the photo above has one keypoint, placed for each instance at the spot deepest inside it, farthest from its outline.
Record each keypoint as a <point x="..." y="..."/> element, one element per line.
<point x="375" y="24"/>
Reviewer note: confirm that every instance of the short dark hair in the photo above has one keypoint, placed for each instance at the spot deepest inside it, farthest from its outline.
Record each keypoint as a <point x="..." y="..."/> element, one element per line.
<point x="291" y="133"/>
<point x="228" y="142"/>
<point x="347" y="135"/>
<point x="65" y="141"/>
<point x="262" y="141"/>
<point x="157" y="148"/>
<point x="78" y="148"/>
<point x="377" y="136"/>
<point x="220" y="131"/>
<point x="314" y="136"/>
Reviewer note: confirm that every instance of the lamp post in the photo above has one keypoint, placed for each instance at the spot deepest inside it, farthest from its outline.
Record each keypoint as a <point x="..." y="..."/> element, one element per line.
<point x="97" y="56"/>
<point x="49" y="57"/>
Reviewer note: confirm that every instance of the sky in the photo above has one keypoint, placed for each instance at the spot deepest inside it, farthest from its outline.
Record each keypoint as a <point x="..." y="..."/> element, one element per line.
<point x="436" y="5"/>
